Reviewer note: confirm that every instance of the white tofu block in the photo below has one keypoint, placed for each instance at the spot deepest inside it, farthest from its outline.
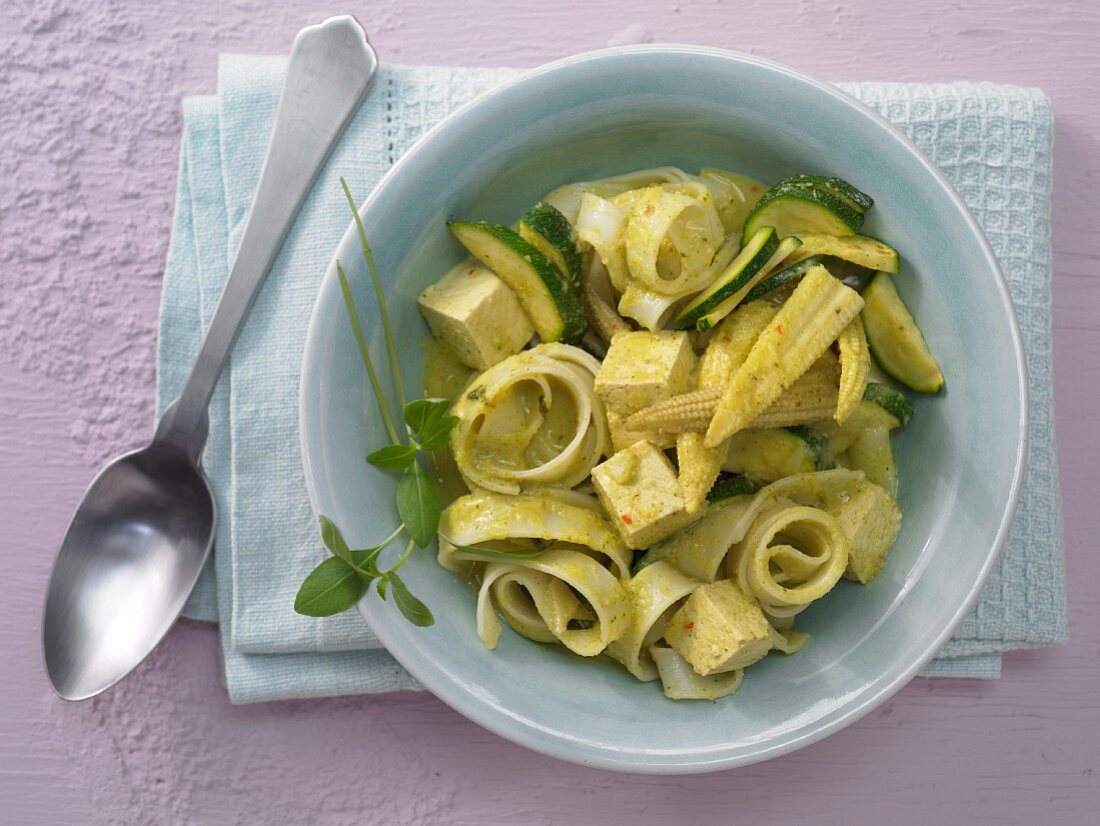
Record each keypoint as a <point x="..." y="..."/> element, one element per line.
<point x="719" y="629"/>
<point x="642" y="368"/>
<point x="623" y="437"/>
<point x="640" y="492"/>
<point x="477" y="315"/>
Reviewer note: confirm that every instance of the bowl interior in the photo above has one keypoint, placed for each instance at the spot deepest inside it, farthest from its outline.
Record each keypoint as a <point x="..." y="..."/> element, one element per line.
<point x="959" y="459"/>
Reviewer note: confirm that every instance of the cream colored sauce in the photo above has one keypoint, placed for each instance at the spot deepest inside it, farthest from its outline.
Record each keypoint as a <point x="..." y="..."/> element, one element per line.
<point x="444" y="375"/>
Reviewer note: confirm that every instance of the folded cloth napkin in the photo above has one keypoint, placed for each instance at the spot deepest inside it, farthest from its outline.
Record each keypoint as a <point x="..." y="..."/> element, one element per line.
<point x="993" y="142"/>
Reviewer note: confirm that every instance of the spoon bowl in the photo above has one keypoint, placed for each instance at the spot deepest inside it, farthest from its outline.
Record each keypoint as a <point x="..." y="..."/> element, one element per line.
<point x="132" y="554"/>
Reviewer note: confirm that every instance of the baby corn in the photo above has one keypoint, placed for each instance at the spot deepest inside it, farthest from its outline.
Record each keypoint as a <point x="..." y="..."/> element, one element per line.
<point x="699" y="467"/>
<point x="686" y="413"/>
<point x="811" y="319"/>
<point x="855" y="368"/>
<point x="812" y="398"/>
<point x="731" y="342"/>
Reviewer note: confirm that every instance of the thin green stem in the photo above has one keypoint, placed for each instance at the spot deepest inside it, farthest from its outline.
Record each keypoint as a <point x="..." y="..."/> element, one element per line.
<point x="402" y="560"/>
<point x="393" y="535"/>
<point x="379" y="397"/>
<point x="391" y="347"/>
<point x="378" y="550"/>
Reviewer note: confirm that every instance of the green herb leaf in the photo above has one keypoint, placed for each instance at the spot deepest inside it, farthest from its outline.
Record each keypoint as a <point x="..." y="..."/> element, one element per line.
<point x="334" y="540"/>
<point x="362" y="560"/>
<point x="424" y="413"/>
<point x="418" y="504"/>
<point x="413" y="609"/>
<point x="332" y="587"/>
<point x="393" y="456"/>
<point x="494" y="554"/>
<point x="381" y="583"/>
<point x="367" y="559"/>
<point x="437" y="434"/>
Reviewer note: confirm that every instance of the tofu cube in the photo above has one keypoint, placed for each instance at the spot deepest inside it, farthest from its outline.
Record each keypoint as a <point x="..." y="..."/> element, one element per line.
<point x="642" y="368"/>
<point x="640" y="492"/>
<point x="477" y="315"/>
<point x="719" y="629"/>
<point x="870" y="519"/>
<point x="623" y="437"/>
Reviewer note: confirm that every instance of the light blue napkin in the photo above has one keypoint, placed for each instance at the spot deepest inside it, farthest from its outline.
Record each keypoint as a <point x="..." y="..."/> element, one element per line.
<point x="994" y="142"/>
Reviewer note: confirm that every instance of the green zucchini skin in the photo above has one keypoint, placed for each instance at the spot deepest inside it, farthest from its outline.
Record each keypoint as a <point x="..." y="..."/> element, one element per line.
<point x="755" y="254"/>
<point x="792" y="209"/>
<point x="773" y="453"/>
<point x="549" y="298"/>
<point x="818" y="445"/>
<point x="890" y="400"/>
<point x="789" y="275"/>
<point x="896" y="341"/>
<point x="786" y="248"/>
<point x="849" y="274"/>
<point x="858" y="199"/>
<point x="729" y="485"/>
<point x="544" y="222"/>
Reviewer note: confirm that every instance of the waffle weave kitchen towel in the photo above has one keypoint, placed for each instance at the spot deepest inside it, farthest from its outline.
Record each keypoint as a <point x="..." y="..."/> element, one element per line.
<point x="993" y="142"/>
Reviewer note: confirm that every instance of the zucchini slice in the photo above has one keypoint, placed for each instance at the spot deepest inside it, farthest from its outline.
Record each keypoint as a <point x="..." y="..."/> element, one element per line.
<point x="871" y="453"/>
<point x="749" y="262"/>
<point x="550" y="232"/>
<point x="889" y="400"/>
<point x="787" y="246"/>
<point x="794" y="210"/>
<point x="858" y="200"/>
<point x="773" y="453"/>
<point x="882" y="408"/>
<point x="548" y="297"/>
<point x="732" y="484"/>
<point x="859" y="249"/>
<point x="778" y="285"/>
<point x="788" y="276"/>
<point x="817" y="445"/>
<point x="895" y="339"/>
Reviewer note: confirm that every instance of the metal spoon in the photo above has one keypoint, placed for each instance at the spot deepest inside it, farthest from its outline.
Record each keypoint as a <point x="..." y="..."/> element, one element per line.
<point x="145" y="526"/>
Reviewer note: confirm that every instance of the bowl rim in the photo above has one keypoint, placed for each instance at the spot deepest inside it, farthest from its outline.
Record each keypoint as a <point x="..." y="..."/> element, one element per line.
<point x="493" y="717"/>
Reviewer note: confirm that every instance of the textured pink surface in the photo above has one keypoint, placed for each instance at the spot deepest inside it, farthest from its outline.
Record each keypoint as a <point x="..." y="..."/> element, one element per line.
<point x="89" y="131"/>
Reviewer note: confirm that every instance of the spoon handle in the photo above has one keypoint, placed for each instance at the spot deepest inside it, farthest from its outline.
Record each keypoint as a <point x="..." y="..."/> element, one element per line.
<point x="331" y="66"/>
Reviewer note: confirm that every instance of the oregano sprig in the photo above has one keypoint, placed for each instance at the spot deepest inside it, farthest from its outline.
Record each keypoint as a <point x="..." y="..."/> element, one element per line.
<point x="344" y="578"/>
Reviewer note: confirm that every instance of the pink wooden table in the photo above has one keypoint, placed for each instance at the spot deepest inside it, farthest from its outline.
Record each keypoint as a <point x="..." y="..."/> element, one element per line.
<point x="89" y="134"/>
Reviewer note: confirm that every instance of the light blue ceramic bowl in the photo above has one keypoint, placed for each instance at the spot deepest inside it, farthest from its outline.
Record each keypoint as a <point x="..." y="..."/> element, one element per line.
<point x="960" y="459"/>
